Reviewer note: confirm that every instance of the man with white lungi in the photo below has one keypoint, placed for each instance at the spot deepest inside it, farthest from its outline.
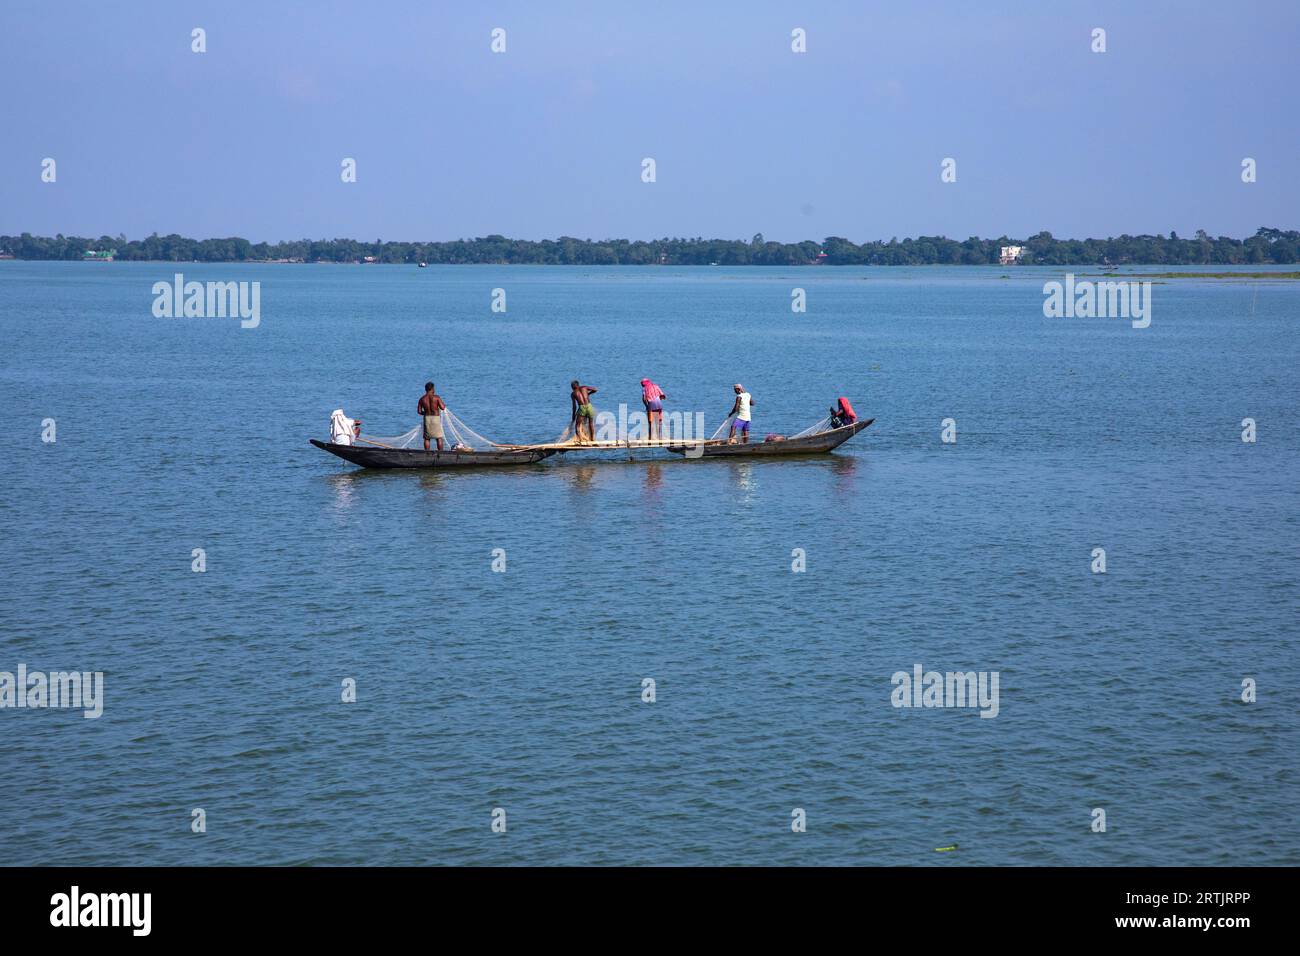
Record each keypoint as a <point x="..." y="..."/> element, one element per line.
<point x="431" y="408"/>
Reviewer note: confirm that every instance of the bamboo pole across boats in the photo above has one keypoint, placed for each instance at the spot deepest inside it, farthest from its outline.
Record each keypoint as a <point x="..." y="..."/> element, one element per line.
<point x="715" y="447"/>
<point x="601" y="445"/>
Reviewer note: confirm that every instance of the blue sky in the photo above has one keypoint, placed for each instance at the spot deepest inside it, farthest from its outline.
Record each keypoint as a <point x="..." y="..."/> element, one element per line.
<point x="547" y="139"/>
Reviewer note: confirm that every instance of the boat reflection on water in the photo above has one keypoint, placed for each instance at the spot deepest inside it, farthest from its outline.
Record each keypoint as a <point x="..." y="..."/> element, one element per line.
<point x="845" y="470"/>
<point x="653" y="480"/>
<point x="742" y="473"/>
<point x="433" y="484"/>
<point x="344" y="491"/>
<point x="581" y="477"/>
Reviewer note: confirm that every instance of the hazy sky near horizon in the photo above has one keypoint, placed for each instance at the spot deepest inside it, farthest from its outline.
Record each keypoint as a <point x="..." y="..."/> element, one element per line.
<point x="547" y="139"/>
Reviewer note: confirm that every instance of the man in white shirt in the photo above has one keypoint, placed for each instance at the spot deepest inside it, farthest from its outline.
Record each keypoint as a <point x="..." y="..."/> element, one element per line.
<point x="342" y="428"/>
<point x="744" y="402"/>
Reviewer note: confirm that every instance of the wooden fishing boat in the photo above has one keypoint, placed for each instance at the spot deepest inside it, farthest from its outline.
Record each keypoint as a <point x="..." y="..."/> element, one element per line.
<point x="808" y="445"/>
<point x="380" y="457"/>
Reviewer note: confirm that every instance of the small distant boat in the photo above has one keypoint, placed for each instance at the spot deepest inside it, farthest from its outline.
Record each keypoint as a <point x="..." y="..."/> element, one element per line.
<point x="379" y="457"/>
<point x="808" y="445"/>
<point x="424" y="265"/>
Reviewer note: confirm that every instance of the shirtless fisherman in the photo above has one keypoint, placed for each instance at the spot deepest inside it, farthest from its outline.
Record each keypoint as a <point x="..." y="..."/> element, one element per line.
<point x="583" y="410"/>
<point x="430" y="407"/>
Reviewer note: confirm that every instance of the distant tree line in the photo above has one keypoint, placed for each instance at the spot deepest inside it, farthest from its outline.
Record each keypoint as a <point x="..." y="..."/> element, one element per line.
<point x="1265" y="246"/>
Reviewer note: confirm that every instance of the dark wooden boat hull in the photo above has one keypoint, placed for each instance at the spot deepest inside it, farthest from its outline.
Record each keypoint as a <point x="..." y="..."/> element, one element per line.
<point x="811" y="445"/>
<point x="374" y="457"/>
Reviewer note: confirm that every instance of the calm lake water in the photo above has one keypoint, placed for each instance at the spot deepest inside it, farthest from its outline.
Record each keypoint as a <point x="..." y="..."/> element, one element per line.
<point x="523" y="690"/>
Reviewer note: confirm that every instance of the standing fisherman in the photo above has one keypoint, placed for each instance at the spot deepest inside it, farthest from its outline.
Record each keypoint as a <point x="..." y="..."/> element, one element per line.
<point x="741" y="409"/>
<point x="583" y="410"/>
<point x="430" y="407"/>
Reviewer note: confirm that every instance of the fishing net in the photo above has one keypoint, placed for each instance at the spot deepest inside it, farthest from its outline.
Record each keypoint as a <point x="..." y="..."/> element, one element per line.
<point x="822" y="426"/>
<point x="457" y="437"/>
<point x="462" y="436"/>
<point x="410" y="439"/>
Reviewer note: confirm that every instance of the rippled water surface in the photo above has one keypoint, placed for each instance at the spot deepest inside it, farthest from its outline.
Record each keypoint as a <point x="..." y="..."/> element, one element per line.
<point x="522" y="690"/>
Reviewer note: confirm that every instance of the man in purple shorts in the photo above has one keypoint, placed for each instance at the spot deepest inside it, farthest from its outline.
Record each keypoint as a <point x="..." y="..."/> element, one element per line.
<point x="741" y="409"/>
<point x="652" y="397"/>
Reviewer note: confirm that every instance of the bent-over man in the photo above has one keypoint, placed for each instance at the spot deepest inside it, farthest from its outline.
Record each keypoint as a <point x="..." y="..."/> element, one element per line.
<point x="583" y="410"/>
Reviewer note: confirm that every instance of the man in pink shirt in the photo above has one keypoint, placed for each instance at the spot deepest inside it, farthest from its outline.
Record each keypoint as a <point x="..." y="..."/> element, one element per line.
<point x="652" y="397"/>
